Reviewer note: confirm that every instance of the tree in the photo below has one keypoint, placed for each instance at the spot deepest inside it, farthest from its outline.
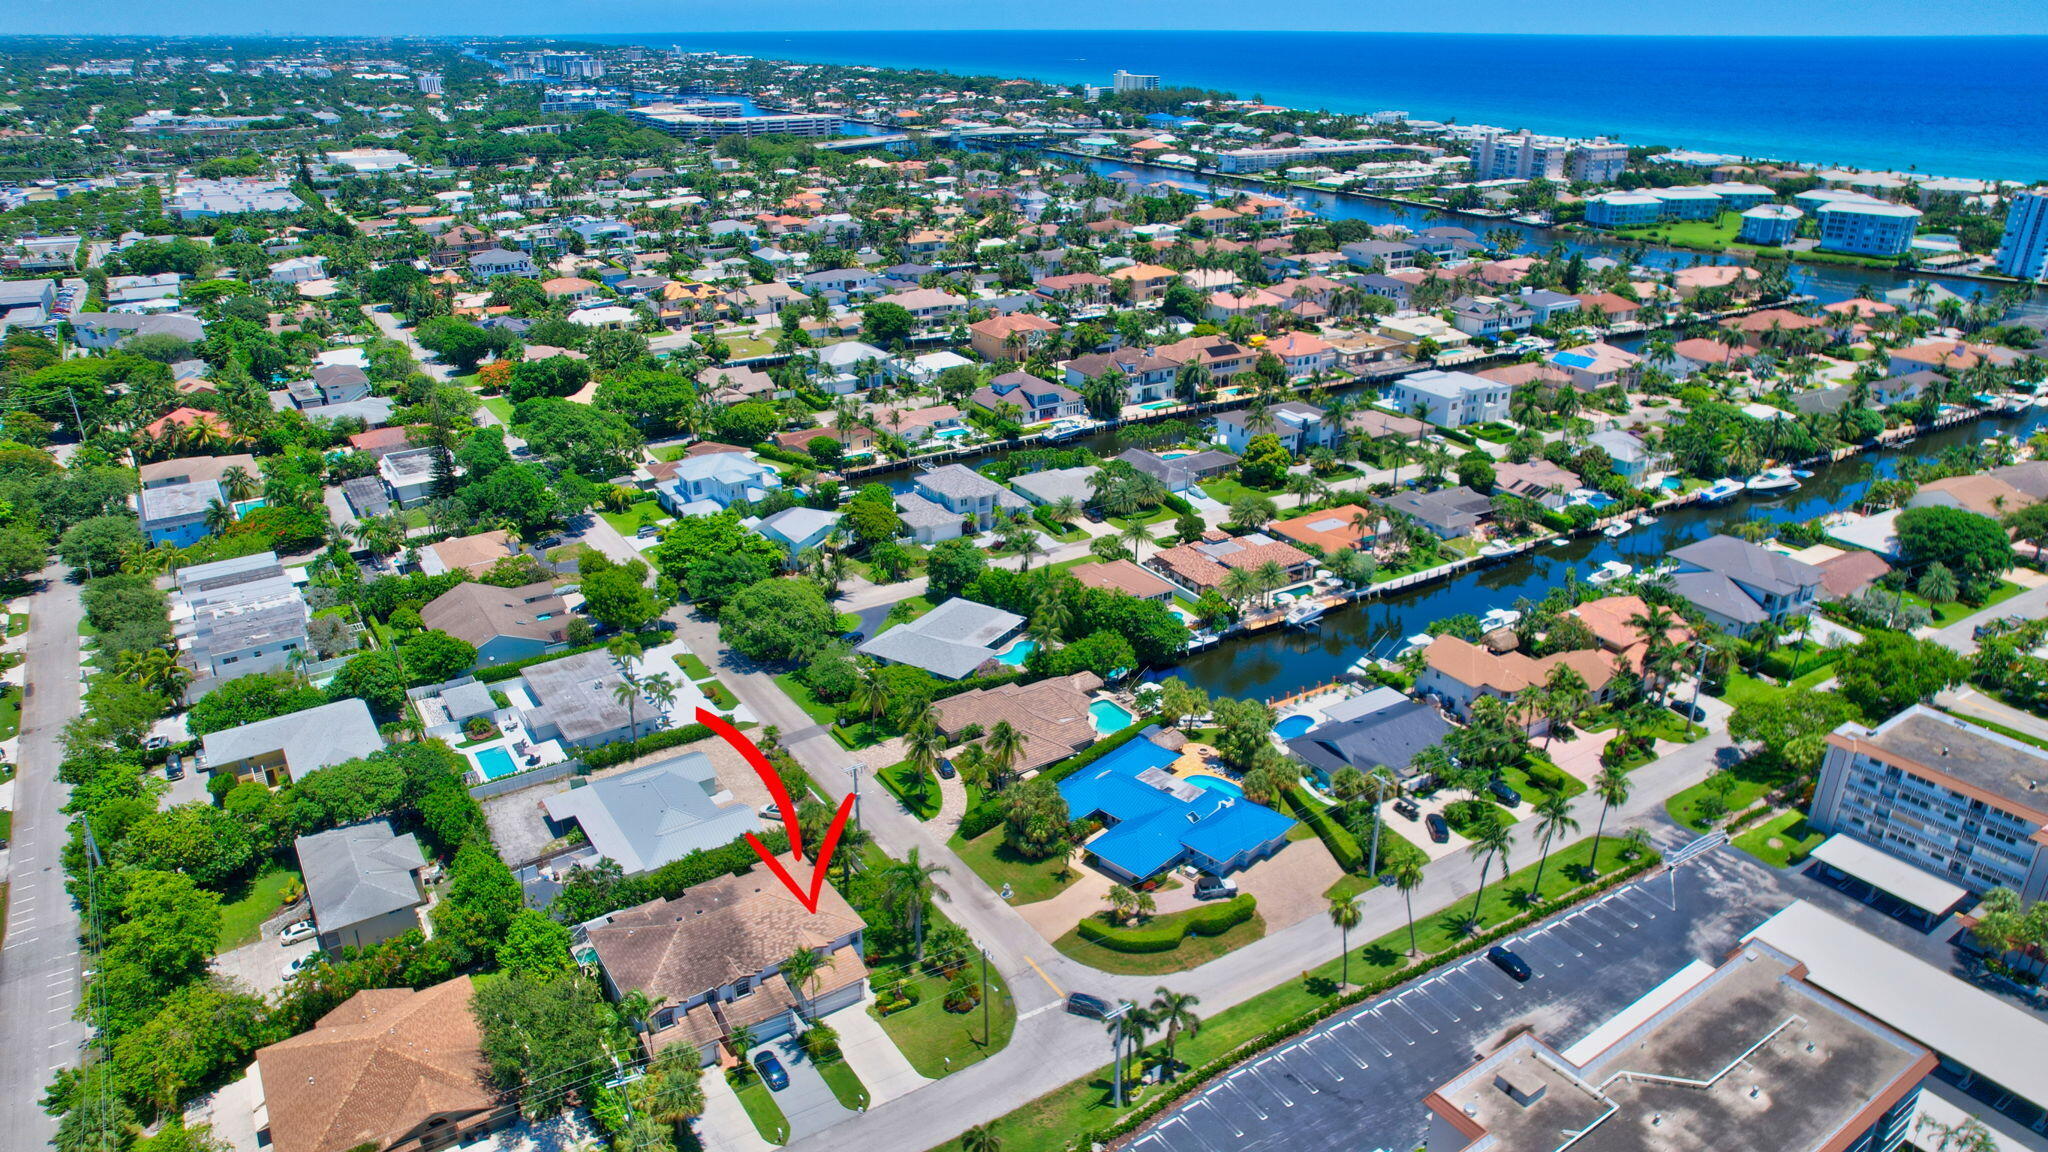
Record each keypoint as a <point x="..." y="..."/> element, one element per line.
<point x="1036" y="823"/>
<point x="1938" y="584"/>
<point x="541" y="1036"/>
<point x="166" y="933"/>
<point x="950" y="567"/>
<point x="981" y="1138"/>
<point x="778" y="621"/>
<point x="1475" y="471"/>
<point x="196" y="839"/>
<point x="23" y="551"/>
<point x="200" y="1034"/>
<point x="482" y="897"/>
<point x="1791" y="726"/>
<point x="884" y="324"/>
<point x="908" y="887"/>
<point x="1265" y="461"/>
<point x="1613" y="788"/>
<point x="372" y="678"/>
<point x="460" y="344"/>
<point x="535" y="945"/>
<point x="1346" y="915"/>
<point x="1553" y="819"/>
<point x="801" y="970"/>
<point x="1973" y="546"/>
<point x="1407" y="873"/>
<point x="99" y="544"/>
<point x="748" y="422"/>
<point x="1490" y="838"/>
<point x="1890" y="670"/>
<point x="432" y="657"/>
<point x="617" y="595"/>
<point x="1174" y="1012"/>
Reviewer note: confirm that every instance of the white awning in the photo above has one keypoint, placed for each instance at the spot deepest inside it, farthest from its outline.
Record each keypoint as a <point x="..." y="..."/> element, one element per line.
<point x="1923" y="890"/>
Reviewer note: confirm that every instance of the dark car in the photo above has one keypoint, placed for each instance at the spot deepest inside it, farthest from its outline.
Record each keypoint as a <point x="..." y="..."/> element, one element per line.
<point x="852" y="637"/>
<point x="773" y="1073"/>
<point x="1509" y="963"/>
<point x="1504" y="792"/>
<point x="1093" y="1007"/>
<point x="174" y="767"/>
<point x="1406" y="807"/>
<point x="1439" y="828"/>
<point x="946" y="770"/>
<point x="1689" y="710"/>
<point x="1215" y="888"/>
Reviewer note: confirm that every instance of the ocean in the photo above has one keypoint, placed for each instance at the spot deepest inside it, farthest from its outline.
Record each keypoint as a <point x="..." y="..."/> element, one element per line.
<point x="1949" y="106"/>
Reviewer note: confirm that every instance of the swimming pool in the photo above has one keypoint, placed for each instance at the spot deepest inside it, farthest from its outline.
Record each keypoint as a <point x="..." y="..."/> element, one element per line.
<point x="1017" y="653"/>
<point x="1672" y="484"/>
<point x="1291" y="726"/>
<point x="1174" y="455"/>
<point x="1156" y="405"/>
<point x="1217" y="784"/>
<point x="494" y="762"/>
<point x="951" y="433"/>
<point x="1109" y="716"/>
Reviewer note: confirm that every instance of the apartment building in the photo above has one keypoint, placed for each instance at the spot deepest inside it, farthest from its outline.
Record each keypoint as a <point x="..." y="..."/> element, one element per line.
<point x="2024" y="251"/>
<point x="1956" y="800"/>
<point x="234" y="617"/>
<point x="1867" y="227"/>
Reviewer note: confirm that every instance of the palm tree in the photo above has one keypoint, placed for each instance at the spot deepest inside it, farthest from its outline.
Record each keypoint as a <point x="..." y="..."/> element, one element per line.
<point x="1005" y="747"/>
<point x="627" y="692"/>
<point x="237" y="483"/>
<point x="1136" y="536"/>
<point x="801" y="970"/>
<point x="625" y="652"/>
<point x="870" y="696"/>
<point x="980" y="1138"/>
<point x="1564" y="694"/>
<point x="1554" y="819"/>
<point x="1174" y="1011"/>
<point x="1490" y="838"/>
<point x="1064" y="511"/>
<point x="1240" y="585"/>
<point x="660" y="691"/>
<point x="1346" y="915"/>
<point x="1271" y="577"/>
<point x="219" y="517"/>
<point x="1612" y="786"/>
<point x="910" y="885"/>
<point x="923" y="748"/>
<point x="1129" y="1027"/>
<point x="675" y="1091"/>
<point x="739" y="1040"/>
<point x="1408" y="877"/>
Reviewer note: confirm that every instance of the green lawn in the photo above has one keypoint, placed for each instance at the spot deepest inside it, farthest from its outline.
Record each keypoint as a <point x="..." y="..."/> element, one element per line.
<point x="746" y="347"/>
<point x="917" y="790"/>
<point x="1193" y="952"/>
<point x="905" y="610"/>
<point x="1750" y="785"/>
<point x="1051" y="1122"/>
<point x="1030" y="880"/>
<point x="500" y="407"/>
<point x="10" y="713"/>
<point x="17" y="623"/>
<point x="1712" y="235"/>
<point x="1782" y="841"/>
<point x="937" y="1042"/>
<point x="627" y="523"/>
<point x="1159" y="515"/>
<point x="1949" y="611"/>
<point x="694" y="667"/>
<point x="764" y="1111"/>
<point x="1518" y="778"/>
<point x="845" y="1084"/>
<point x="796" y="690"/>
<point x="1228" y="490"/>
<point x="6" y="823"/>
<point x="241" y="921"/>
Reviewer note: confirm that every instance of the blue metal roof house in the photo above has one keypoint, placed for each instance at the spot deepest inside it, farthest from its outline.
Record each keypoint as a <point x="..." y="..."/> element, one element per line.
<point x="1155" y="820"/>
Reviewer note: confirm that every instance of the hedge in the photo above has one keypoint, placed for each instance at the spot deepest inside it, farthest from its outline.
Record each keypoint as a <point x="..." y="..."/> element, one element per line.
<point x="981" y="818"/>
<point x="1096" y="751"/>
<point x="506" y="671"/>
<point x="1178" y="503"/>
<point x="781" y="455"/>
<point x="620" y="751"/>
<point x="1164" y="933"/>
<point x="1338" y="839"/>
<point x="1545" y="775"/>
<point x="1194" y="1078"/>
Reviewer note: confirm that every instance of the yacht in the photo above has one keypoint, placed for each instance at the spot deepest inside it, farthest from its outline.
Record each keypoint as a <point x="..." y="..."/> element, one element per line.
<point x="1721" y="491"/>
<point x="1618" y="528"/>
<point x="1645" y="520"/>
<point x="1608" y="572"/>
<point x="1499" y="618"/>
<point x="1497" y="549"/>
<point x="1306" y="614"/>
<point x="1065" y="429"/>
<point x="1772" y="482"/>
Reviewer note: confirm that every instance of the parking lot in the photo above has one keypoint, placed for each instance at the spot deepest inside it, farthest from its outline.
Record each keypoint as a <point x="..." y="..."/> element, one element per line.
<point x="1357" y="1081"/>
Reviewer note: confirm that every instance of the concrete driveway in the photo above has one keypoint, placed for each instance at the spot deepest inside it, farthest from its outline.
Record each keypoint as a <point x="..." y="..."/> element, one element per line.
<point x="725" y="1125"/>
<point x="808" y="1103"/>
<point x="872" y="1055"/>
<point x="259" y="967"/>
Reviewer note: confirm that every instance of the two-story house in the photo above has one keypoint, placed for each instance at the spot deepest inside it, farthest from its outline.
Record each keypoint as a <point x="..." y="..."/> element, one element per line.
<point x="968" y="494"/>
<point x="1450" y="399"/>
<point x="1298" y="425"/>
<point x="1739" y="585"/>
<point x="712" y="483"/>
<point x="1036" y="401"/>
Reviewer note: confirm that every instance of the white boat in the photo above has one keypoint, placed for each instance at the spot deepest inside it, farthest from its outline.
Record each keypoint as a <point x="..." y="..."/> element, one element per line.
<point x="1559" y="541"/>
<point x="1305" y="615"/>
<point x="1618" y="528"/>
<point x="1608" y="572"/>
<point x="1065" y="429"/>
<point x="1721" y="491"/>
<point x="1772" y="482"/>
<point x="1496" y="549"/>
<point x="1645" y="520"/>
<point x="1499" y="618"/>
<point x="1415" y="643"/>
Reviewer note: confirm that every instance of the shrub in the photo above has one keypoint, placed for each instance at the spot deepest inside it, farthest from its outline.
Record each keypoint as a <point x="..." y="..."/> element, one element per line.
<point x="620" y="751"/>
<point x="1342" y="844"/>
<point x="1164" y="933"/>
<point x="1545" y="775"/>
<point x="980" y="819"/>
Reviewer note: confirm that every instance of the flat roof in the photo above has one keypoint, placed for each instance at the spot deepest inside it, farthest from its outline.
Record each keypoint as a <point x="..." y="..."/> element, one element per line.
<point x="1920" y="888"/>
<point x="1999" y="765"/>
<point x="1970" y="1026"/>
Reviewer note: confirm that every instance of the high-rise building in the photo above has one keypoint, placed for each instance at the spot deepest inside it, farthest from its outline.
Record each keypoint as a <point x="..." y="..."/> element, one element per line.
<point x="1124" y="81"/>
<point x="430" y="83"/>
<point x="1523" y="156"/>
<point x="2024" y="252"/>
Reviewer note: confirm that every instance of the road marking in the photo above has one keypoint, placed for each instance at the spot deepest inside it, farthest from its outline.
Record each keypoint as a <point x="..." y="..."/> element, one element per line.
<point x="1220" y="1114"/>
<point x="1056" y="990"/>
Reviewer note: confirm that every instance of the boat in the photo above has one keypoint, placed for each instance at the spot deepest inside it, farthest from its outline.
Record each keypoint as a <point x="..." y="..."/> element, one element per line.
<point x="1802" y="473"/>
<point x="1772" y="482"/>
<point x="1608" y="572"/>
<point x="1497" y="549"/>
<point x="1415" y="643"/>
<point x="1721" y="491"/>
<point x="1306" y="614"/>
<point x="1616" y="529"/>
<point x="1065" y="429"/>
<point x="1646" y="521"/>
<point x="1559" y="541"/>
<point x="1499" y="618"/>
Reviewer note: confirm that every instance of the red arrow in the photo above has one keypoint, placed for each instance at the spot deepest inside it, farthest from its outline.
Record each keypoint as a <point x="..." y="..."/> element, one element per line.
<point x="773" y="780"/>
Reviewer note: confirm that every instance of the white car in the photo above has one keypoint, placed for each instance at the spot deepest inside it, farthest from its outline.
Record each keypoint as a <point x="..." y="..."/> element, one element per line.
<point x="301" y="964"/>
<point x="303" y="930"/>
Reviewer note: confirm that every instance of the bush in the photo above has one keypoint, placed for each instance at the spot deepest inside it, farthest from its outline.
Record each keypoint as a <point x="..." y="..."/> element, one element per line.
<point x="1338" y="839"/>
<point x="1545" y="775"/>
<point x="620" y="751"/>
<point x="980" y="819"/>
<point x="1164" y="933"/>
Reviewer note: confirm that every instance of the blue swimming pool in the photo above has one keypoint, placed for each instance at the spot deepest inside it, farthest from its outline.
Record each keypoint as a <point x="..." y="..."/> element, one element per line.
<point x="1672" y="484"/>
<point x="1110" y="716"/>
<point x="1017" y="653"/>
<point x="1291" y="726"/>
<point x="1217" y="784"/>
<point x="494" y="762"/>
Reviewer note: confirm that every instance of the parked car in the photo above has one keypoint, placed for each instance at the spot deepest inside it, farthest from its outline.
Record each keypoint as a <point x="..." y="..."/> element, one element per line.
<point x="156" y="742"/>
<point x="1093" y="1007"/>
<point x="1439" y="828"/>
<point x="301" y="964"/>
<point x="293" y="933"/>
<point x="1509" y="963"/>
<point x="853" y="637"/>
<point x="772" y="1072"/>
<point x="1504" y="792"/>
<point x="1215" y="888"/>
<point x="946" y="770"/>
<point x="1409" y="808"/>
<point x="174" y="767"/>
<point x="771" y="813"/>
<point x="1689" y="710"/>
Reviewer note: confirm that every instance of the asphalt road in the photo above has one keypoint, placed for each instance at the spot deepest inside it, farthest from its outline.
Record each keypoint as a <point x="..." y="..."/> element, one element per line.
<point x="39" y="965"/>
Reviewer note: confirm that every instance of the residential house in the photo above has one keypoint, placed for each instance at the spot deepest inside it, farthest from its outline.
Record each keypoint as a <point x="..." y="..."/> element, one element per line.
<point x="928" y="307"/>
<point x="502" y="624"/>
<point x="103" y="330"/>
<point x="1739" y="585"/>
<point x="194" y="469"/>
<point x="703" y="485"/>
<point x="1148" y="376"/>
<point x="1036" y="401"/>
<point x="1491" y="317"/>
<point x="574" y="701"/>
<point x="1538" y="480"/>
<point x="709" y="960"/>
<point x="654" y="814"/>
<point x="852" y="366"/>
<point x="289" y="746"/>
<point x="917" y="425"/>
<point x="1205" y="564"/>
<point x="952" y="641"/>
<point x="176" y="514"/>
<point x="1051" y="485"/>
<point x="967" y="494"/>
<point x="1334" y="529"/>
<point x="235" y="617"/>
<point x="1052" y="716"/>
<point x="1010" y="338"/>
<point x="1456" y="672"/>
<point x="1075" y="289"/>
<point x="1548" y="305"/>
<point x="1448" y="512"/>
<point x="1380" y="255"/>
<point x="1219" y="355"/>
<point x="1450" y="399"/>
<point x="1299" y="426"/>
<point x="1147" y="281"/>
<point x="573" y="289"/>
<point x="1154" y="820"/>
<point x="1304" y="354"/>
<point x="1124" y="578"/>
<point x="1595" y="365"/>
<point x="1611" y="620"/>
<point x="363" y="881"/>
<point x="409" y="474"/>
<point x="796" y="529"/>
<point x="474" y="554"/>
<point x="1380" y="730"/>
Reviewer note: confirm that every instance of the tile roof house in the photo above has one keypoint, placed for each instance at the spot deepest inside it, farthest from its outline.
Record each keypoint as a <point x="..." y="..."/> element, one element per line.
<point x="1456" y="673"/>
<point x="1608" y="619"/>
<point x="1122" y="576"/>
<point x="363" y="882"/>
<point x="1051" y="714"/>
<point x="1154" y="820"/>
<point x="647" y="816"/>
<point x="392" y="1069"/>
<point x="502" y="624"/>
<point x="1850" y="573"/>
<point x="473" y="554"/>
<point x="1012" y="337"/>
<point x="1204" y="564"/>
<point x="1332" y="529"/>
<point x="289" y="746"/>
<point x="1739" y="585"/>
<point x="710" y="959"/>
<point x="951" y="641"/>
<point x="1147" y="375"/>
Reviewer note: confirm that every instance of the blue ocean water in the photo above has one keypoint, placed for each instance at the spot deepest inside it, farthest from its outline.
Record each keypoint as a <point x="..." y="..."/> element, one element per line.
<point x="1952" y="106"/>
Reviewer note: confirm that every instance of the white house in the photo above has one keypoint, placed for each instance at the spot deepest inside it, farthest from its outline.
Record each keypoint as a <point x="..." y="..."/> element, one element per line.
<point x="712" y="483"/>
<point x="1450" y="399"/>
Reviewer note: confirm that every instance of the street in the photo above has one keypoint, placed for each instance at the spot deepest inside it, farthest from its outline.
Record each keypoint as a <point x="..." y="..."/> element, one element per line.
<point x="39" y="965"/>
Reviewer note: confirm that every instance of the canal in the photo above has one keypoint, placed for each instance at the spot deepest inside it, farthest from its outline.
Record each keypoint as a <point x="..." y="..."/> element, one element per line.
<point x="1282" y="662"/>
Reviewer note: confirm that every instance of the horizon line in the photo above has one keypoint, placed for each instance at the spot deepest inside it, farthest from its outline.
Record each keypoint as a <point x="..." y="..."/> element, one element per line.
<point x="267" y="35"/>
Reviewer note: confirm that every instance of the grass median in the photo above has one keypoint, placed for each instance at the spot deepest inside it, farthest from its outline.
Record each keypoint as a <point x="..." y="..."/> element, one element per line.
<point x="763" y="1111"/>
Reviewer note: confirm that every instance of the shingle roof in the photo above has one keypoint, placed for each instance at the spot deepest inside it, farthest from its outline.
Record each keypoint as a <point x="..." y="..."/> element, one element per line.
<point x="359" y="872"/>
<point x="314" y="738"/>
<point x="480" y="613"/>
<point x="1752" y="564"/>
<point x="654" y="814"/>
<point x="951" y="640"/>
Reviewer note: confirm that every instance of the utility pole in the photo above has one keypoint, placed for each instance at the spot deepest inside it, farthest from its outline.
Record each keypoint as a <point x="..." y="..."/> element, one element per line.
<point x="1116" y="1049"/>
<point x="854" y="770"/>
<point x="984" y="997"/>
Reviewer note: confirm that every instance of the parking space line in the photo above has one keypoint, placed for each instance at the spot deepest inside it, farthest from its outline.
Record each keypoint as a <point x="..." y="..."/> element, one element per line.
<point x="1463" y="994"/>
<point x="1418" y="1018"/>
<point x="1369" y="1035"/>
<point x="1318" y="1058"/>
<point x="1220" y="1114"/>
<point x="1280" y="1058"/>
<point x="1229" y="1082"/>
<point x="1190" y="1129"/>
<point x="1340" y="1042"/>
<point x="1609" y="905"/>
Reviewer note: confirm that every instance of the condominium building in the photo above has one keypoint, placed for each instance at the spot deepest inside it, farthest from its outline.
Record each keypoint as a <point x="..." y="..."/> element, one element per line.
<point x="2024" y="252"/>
<point x="1867" y="227"/>
<point x="1524" y="156"/>
<point x="1962" y="802"/>
<point x="688" y="120"/>
<point x="1623" y="210"/>
<point x="1772" y="225"/>
<point x="1124" y="81"/>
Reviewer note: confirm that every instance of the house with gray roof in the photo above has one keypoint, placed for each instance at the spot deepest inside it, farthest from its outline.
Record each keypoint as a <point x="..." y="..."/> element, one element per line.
<point x="574" y="702"/>
<point x="709" y="484"/>
<point x="363" y="881"/>
<point x="175" y="514"/>
<point x="950" y="641"/>
<point x="795" y="528"/>
<point x="927" y="523"/>
<point x="234" y="617"/>
<point x="964" y="492"/>
<point x="1739" y="585"/>
<point x="502" y="624"/>
<point x="653" y="814"/>
<point x="1383" y="729"/>
<point x="289" y="746"/>
<point x="500" y="262"/>
<point x="1448" y="512"/>
<point x="1056" y="484"/>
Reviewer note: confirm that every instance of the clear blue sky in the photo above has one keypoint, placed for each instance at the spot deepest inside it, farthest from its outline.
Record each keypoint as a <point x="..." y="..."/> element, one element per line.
<point x="569" y="17"/>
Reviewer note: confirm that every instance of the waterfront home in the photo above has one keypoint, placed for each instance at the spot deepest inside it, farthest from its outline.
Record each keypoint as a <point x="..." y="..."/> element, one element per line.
<point x="967" y="494"/>
<point x="1537" y="479"/>
<point x="917" y="425"/>
<point x="1036" y="401"/>
<point x="1123" y="577"/>
<point x="702" y="485"/>
<point x="1380" y="255"/>
<point x="709" y="960"/>
<point x="1051" y="485"/>
<point x="1491" y="317"/>
<point x="1303" y="353"/>
<point x="363" y="882"/>
<point x="1383" y="729"/>
<point x="502" y="624"/>
<point x="1548" y="305"/>
<point x="1630" y="456"/>
<point x="1204" y="564"/>
<point x="1017" y="336"/>
<point x="646" y="817"/>
<point x="1298" y="425"/>
<point x="289" y="746"/>
<point x="1448" y="512"/>
<point x="1411" y="331"/>
<point x="1595" y="365"/>
<point x="1456" y="672"/>
<point x="1609" y="619"/>
<point x="1333" y="529"/>
<point x="1738" y="585"/>
<point x="952" y="641"/>
<point x="1608" y="308"/>
<point x="850" y="440"/>
<point x="1450" y="399"/>
<point x="1147" y="281"/>
<point x="1052" y="715"/>
<point x="1995" y="493"/>
<point x="1154" y="820"/>
<point x="1938" y="354"/>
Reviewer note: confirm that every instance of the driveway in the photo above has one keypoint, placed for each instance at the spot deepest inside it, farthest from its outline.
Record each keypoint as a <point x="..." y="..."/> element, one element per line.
<point x="259" y="967"/>
<point x="808" y="1103"/>
<point x="725" y="1125"/>
<point x="1290" y="886"/>
<point x="872" y="1055"/>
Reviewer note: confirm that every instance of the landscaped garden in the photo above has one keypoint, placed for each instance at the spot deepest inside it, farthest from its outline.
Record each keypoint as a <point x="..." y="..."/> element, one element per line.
<point x="1164" y="943"/>
<point x="1782" y="841"/>
<point x="998" y="864"/>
